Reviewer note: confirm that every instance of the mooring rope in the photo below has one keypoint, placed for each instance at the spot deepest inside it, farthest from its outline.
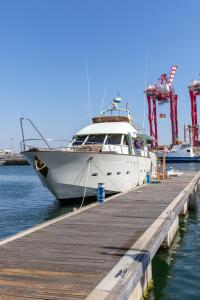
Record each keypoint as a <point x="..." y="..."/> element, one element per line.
<point x="85" y="188"/>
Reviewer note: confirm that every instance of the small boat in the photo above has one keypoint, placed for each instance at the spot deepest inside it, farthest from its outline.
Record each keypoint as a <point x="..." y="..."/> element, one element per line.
<point x="109" y="151"/>
<point x="181" y="153"/>
<point x="173" y="173"/>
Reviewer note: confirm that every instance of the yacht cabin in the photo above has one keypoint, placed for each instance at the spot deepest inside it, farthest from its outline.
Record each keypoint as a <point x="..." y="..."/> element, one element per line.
<point x="113" y="134"/>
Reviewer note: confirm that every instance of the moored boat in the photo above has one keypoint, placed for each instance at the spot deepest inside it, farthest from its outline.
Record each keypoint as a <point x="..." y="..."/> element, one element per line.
<point x="181" y="153"/>
<point x="108" y="151"/>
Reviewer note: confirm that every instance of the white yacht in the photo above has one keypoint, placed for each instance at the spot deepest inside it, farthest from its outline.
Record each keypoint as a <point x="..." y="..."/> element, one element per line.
<point x="107" y="151"/>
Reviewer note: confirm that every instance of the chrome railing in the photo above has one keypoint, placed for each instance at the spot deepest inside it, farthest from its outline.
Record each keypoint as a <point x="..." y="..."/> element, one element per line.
<point x="33" y="125"/>
<point x="35" y="144"/>
<point x="24" y="144"/>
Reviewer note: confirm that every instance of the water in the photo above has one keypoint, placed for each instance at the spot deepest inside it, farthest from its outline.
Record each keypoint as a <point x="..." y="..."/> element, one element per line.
<point x="176" y="271"/>
<point x="24" y="202"/>
<point x="184" y="166"/>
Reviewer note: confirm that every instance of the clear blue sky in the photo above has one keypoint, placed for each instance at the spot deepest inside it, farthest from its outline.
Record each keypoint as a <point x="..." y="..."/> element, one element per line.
<point x="44" y="43"/>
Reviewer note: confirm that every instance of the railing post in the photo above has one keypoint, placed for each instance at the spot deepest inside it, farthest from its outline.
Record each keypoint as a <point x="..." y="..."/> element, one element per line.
<point x="21" y="119"/>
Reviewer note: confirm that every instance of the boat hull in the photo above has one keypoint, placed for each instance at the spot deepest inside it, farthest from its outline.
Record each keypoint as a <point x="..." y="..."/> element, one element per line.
<point x="182" y="159"/>
<point x="70" y="174"/>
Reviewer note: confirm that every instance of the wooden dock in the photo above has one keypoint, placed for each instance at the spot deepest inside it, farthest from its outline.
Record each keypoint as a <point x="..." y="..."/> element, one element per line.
<point x="98" y="252"/>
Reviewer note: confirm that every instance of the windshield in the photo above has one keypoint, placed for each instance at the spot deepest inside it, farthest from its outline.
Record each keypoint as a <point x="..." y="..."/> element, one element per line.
<point x="95" y="139"/>
<point x="79" y="140"/>
<point x="92" y="139"/>
<point x="114" y="139"/>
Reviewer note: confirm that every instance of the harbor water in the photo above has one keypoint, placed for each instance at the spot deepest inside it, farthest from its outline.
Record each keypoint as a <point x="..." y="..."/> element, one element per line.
<point x="176" y="271"/>
<point x="24" y="202"/>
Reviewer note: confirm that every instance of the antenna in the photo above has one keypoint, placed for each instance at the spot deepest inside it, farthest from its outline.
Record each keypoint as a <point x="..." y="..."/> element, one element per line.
<point x="145" y="83"/>
<point x="103" y="99"/>
<point x="88" y="88"/>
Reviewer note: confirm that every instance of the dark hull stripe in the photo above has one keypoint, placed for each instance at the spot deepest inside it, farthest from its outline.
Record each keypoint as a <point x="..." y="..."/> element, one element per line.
<point x="182" y="159"/>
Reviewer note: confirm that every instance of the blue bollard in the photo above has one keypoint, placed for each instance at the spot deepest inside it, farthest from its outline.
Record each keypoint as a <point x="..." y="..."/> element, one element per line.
<point x="148" y="178"/>
<point x="101" y="193"/>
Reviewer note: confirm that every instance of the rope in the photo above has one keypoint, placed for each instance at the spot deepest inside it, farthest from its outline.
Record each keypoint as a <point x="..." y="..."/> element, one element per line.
<point x="39" y="168"/>
<point x="79" y="178"/>
<point x="85" y="188"/>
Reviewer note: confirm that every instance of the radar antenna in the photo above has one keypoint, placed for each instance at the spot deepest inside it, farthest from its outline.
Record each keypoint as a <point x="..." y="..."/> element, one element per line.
<point x="115" y="107"/>
<point x="116" y="101"/>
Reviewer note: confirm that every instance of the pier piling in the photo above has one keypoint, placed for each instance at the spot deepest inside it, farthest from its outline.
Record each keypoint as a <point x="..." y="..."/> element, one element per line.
<point x="171" y="233"/>
<point x="184" y="209"/>
<point x="193" y="201"/>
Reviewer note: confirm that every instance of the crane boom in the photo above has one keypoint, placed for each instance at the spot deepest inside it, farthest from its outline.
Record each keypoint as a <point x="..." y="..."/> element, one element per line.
<point x="171" y="76"/>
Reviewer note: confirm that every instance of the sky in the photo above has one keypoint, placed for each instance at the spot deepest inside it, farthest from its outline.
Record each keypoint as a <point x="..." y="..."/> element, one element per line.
<point x="43" y="50"/>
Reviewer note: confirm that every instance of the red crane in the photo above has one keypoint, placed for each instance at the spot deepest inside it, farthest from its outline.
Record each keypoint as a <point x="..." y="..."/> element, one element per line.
<point x="194" y="89"/>
<point x="163" y="92"/>
<point x="188" y="134"/>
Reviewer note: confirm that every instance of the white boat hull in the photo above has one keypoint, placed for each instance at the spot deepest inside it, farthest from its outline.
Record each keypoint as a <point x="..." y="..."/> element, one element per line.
<point x="69" y="172"/>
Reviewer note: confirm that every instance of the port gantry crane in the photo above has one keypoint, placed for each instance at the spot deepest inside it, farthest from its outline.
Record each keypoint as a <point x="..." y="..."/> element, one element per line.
<point x="188" y="134"/>
<point x="194" y="90"/>
<point x="163" y="92"/>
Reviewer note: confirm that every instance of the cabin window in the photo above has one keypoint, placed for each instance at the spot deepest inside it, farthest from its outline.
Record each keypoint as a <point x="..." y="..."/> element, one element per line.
<point x="114" y="139"/>
<point x="125" y="141"/>
<point x="95" y="139"/>
<point x="188" y="150"/>
<point x="79" y="140"/>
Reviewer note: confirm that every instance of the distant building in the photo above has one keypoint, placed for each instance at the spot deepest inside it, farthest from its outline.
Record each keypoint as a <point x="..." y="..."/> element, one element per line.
<point x="5" y="152"/>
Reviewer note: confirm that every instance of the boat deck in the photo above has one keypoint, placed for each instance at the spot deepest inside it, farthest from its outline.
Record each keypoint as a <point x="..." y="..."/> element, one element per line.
<point x="67" y="257"/>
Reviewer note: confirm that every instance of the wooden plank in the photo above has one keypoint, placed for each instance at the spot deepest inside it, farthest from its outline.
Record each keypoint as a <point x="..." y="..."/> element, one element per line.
<point x="66" y="259"/>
